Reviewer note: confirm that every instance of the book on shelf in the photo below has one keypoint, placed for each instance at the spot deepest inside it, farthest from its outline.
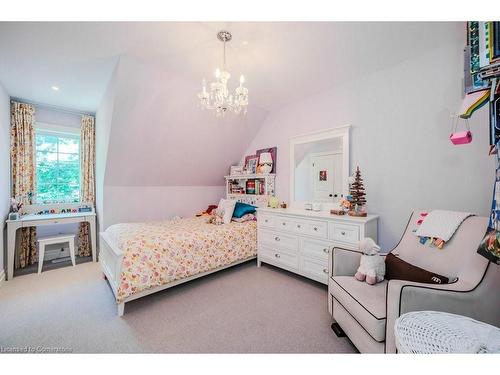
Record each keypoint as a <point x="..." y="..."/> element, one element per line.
<point x="237" y="190"/>
<point x="250" y="186"/>
<point x="255" y="186"/>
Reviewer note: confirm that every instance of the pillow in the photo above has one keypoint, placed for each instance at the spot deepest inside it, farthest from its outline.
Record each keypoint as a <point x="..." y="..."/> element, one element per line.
<point x="247" y="217"/>
<point x="228" y="206"/>
<point x="242" y="209"/>
<point x="396" y="268"/>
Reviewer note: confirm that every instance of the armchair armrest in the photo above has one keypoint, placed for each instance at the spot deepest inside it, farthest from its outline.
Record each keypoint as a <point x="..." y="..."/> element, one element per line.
<point x="345" y="262"/>
<point x="405" y="296"/>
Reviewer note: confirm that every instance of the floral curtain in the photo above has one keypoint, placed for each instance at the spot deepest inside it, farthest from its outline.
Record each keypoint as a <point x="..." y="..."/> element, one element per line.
<point x="87" y="183"/>
<point x="22" y="156"/>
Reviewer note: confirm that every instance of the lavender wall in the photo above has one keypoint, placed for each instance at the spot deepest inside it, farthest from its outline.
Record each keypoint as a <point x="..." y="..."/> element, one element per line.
<point x="4" y="167"/>
<point x="146" y="203"/>
<point x="400" y="127"/>
<point x="104" y="118"/>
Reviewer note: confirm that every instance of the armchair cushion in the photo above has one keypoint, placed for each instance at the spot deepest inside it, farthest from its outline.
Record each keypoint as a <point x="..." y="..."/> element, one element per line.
<point x="365" y="303"/>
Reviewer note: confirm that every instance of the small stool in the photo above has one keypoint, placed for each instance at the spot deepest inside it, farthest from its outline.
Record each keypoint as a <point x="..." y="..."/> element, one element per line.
<point x="44" y="241"/>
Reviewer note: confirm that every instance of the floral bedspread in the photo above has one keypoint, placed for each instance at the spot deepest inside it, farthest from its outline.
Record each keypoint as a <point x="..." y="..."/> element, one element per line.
<point x="157" y="253"/>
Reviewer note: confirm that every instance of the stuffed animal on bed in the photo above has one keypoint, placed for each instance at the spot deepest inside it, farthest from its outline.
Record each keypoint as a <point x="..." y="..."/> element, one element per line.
<point x="208" y="211"/>
<point x="372" y="265"/>
<point x="217" y="216"/>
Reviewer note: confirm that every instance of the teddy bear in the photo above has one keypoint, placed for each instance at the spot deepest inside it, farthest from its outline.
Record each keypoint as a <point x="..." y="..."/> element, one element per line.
<point x="372" y="265"/>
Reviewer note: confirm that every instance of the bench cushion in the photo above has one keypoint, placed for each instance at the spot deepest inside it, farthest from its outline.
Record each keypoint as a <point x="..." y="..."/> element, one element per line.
<point x="56" y="239"/>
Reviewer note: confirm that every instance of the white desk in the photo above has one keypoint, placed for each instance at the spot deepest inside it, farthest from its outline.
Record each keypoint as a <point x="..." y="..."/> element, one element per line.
<point x="49" y="219"/>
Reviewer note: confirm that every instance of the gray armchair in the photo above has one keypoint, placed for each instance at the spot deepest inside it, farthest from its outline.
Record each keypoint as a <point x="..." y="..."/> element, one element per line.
<point x="367" y="313"/>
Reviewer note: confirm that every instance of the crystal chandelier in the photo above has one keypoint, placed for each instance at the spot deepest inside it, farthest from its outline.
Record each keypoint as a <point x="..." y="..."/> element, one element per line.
<point x="218" y="96"/>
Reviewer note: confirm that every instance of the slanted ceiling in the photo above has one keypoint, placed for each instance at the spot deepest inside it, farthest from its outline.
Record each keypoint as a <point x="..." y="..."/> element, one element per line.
<point x="158" y="134"/>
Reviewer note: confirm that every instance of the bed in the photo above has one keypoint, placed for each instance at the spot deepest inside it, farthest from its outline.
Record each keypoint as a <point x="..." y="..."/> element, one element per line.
<point x="143" y="258"/>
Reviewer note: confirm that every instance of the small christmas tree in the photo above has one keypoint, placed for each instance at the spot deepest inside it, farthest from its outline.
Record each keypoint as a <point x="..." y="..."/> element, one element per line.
<point x="358" y="194"/>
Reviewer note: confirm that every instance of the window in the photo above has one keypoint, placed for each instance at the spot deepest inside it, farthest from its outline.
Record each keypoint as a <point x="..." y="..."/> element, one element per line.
<point x="57" y="166"/>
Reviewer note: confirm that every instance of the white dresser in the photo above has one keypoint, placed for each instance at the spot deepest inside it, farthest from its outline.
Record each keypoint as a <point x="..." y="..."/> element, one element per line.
<point x="300" y="241"/>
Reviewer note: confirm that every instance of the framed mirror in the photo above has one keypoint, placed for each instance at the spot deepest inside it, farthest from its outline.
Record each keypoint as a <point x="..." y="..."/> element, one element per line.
<point x="319" y="167"/>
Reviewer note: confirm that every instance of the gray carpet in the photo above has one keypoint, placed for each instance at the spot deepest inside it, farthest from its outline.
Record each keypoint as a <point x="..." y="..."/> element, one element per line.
<point x="244" y="309"/>
<point x="50" y="265"/>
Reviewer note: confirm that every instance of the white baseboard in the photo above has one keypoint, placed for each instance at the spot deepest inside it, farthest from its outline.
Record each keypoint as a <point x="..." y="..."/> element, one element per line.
<point x="2" y="277"/>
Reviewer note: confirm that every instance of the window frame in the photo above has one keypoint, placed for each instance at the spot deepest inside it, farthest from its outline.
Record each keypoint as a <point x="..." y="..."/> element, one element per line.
<point x="58" y="131"/>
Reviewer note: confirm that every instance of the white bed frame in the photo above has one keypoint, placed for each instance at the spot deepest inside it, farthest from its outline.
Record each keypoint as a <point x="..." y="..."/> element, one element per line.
<point x="110" y="258"/>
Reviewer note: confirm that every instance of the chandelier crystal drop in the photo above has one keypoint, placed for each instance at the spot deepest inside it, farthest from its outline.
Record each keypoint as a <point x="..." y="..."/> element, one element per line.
<point x="217" y="97"/>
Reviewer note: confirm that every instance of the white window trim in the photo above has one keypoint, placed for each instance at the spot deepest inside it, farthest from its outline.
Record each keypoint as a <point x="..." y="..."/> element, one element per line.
<point x="68" y="131"/>
<point x="56" y="129"/>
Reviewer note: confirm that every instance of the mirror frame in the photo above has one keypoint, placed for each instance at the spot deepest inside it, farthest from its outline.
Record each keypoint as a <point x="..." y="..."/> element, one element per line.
<point x="339" y="132"/>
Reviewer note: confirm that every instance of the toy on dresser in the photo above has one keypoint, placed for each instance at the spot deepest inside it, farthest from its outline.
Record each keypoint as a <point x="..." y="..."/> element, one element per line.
<point x="372" y="265"/>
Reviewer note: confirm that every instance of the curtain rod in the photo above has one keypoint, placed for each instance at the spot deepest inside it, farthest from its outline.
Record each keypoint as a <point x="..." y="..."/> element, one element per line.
<point x="53" y="107"/>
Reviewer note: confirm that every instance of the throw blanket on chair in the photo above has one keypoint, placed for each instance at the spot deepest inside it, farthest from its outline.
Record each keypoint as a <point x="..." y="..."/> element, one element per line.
<point x="439" y="226"/>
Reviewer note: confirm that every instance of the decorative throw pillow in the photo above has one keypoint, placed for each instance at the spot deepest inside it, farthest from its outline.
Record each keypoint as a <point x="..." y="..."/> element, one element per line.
<point x="241" y="209"/>
<point x="228" y="206"/>
<point x="398" y="269"/>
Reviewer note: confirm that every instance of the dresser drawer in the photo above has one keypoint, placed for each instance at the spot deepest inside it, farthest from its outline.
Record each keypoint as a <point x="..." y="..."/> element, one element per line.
<point x="278" y="257"/>
<point x="315" y="269"/>
<point x="266" y="221"/>
<point x="314" y="248"/>
<point x="317" y="229"/>
<point x="300" y="227"/>
<point x="67" y="220"/>
<point x="279" y="240"/>
<point x="344" y="232"/>
<point x="285" y="224"/>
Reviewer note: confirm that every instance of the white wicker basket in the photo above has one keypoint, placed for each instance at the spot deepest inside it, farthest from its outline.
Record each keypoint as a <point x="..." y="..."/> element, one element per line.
<point x="430" y="332"/>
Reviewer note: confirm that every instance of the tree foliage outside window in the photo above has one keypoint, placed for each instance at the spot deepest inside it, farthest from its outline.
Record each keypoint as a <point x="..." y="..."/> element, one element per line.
<point x="57" y="167"/>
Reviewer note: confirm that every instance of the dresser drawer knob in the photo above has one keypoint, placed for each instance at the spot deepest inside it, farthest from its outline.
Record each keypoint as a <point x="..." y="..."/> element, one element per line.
<point x="299" y="226"/>
<point x="283" y="223"/>
<point x="315" y="228"/>
<point x="277" y="255"/>
<point x="266" y="221"/>
<point x="325" y="250"/>
<point x="276" y="238"/>
<point x="342" y="233"/>
<point x="325" y="270"/>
